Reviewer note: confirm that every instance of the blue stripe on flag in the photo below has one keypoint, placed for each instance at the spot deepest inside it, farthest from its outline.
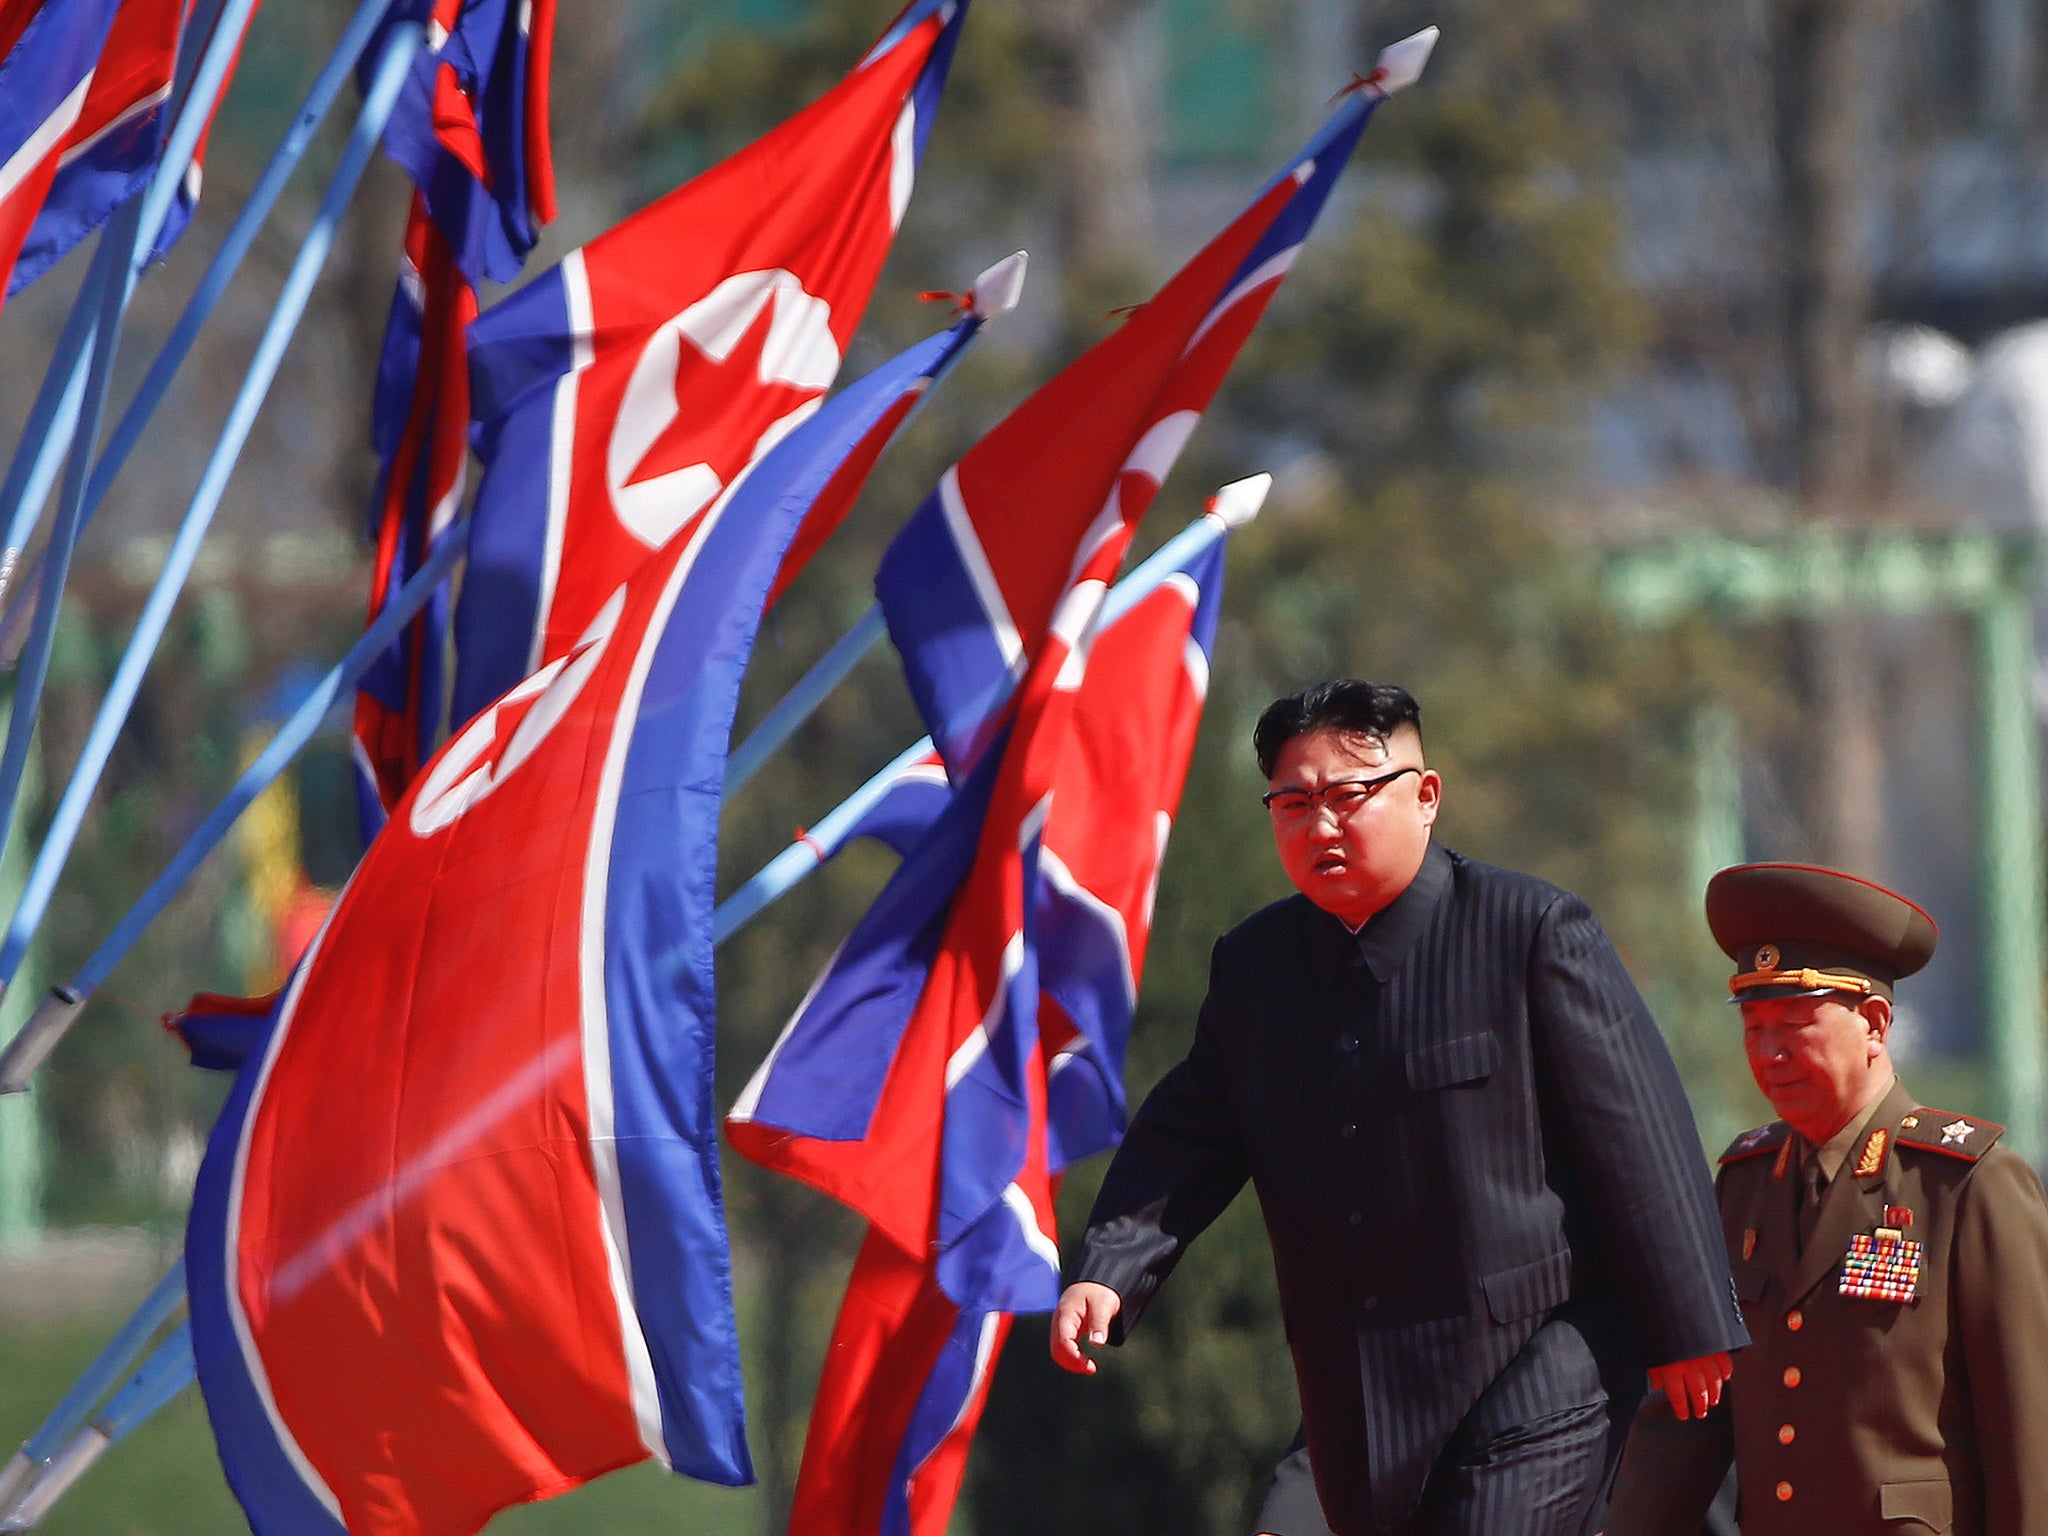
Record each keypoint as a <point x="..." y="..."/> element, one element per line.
<point x="520" y="352"/>
<point x="659" y="983"/>
<point x="824" y="1082"/>
<point x="262" y="1473"/>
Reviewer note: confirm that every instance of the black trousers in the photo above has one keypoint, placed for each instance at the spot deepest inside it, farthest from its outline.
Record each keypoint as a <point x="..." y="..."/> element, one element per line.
<point x="1534" y="1457"/>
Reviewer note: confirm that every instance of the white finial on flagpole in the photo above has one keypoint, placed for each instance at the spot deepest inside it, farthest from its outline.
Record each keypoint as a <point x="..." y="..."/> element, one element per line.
<point x="997" y="290"/>
<point x="1402" y="63"/>
<point x="1239" y="502"/>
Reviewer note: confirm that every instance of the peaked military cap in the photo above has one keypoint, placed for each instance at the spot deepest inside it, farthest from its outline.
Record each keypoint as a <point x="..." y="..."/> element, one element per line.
<point x="1796" y="930"/>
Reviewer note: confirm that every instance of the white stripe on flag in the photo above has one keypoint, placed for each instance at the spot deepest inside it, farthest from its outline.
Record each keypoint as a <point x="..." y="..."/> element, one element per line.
<point x="562" y="443"/>
<point x="1035" y="1236"/>
<point x="979" y="571"/>
<point x="141" y="109"/>
<point x="984" y="1357"/>
<point x="245" y="1337"/>
<point x="970" y="1050"/>
<point x="597" y="1044"/>
<point x="1271" y="270"/>
<point x="1056" y="873"/>
<point x="48" y="135"/>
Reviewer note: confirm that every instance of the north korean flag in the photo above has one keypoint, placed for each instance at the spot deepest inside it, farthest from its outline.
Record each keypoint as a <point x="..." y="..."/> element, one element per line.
<point x="107" y="150"/>
<point x="52" y="52"/>
<point x="620" y="395"/>
<point x="419" y="427"/>
<point x="1051" y="497"/>
<point x="458" y="1239"/>
<point x="471" y="129"/>
<point x="907" y="1372"/>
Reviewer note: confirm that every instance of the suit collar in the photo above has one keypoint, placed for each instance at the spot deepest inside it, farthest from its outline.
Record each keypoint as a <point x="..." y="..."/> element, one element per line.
<point x="1855" y="1199"/>
<point x="1391" y="933"/>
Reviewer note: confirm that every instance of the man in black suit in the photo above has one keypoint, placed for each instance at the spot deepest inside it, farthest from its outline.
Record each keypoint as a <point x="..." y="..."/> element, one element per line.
<point x="1482" y="1183"/>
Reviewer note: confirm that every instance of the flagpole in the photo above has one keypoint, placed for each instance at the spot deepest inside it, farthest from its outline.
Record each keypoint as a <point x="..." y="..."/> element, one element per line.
<point x="398" y="54"/>
<point x="117" y="242"/>
<point x="76" y="398"/>
<point x="166" y="1373"/>
<point x="64" y="1419"/>
<point x="362" y="28"/>
<point x="61" y="1005"/>
<point x="1232" y="507"/>
<point x="995" y="292"/>
<point x="53" y="418"/>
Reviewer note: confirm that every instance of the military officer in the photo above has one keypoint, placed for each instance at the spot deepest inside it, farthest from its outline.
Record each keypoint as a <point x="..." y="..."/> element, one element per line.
<point x="1891" y="1259"/>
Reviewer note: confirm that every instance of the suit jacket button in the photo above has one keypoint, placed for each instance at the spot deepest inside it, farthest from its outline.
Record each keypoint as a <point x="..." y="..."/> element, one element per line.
<point x="1356" y="1218"/>
<point x="1347" y="1130"/>
<point x="1787" y="1434"/>
<point x="1784" y="1492"/>
<point x="1795" y="1320"/>
<point x="1791" y="1377"/>
<point x="1347" y="1042"/>
<point x="1368" y="1304"/>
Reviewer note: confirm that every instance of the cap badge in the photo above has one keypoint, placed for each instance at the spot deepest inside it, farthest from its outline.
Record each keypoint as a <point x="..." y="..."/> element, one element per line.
<point x="1956" y="1132"/>
<point x="1767" y="957"/>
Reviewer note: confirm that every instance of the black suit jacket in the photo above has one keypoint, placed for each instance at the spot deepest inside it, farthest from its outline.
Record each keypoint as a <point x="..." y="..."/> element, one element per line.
<point x="1458" y="1123"/>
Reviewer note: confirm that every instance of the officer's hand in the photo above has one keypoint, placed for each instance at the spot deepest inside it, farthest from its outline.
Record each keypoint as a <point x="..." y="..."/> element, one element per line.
<point x="1085" y="1310"/>
<point x="1692" y="1386"/>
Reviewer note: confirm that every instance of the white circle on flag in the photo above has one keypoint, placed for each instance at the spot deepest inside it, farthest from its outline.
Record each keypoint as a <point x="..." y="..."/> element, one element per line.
<point x="483" y="757"/>
<point x="799" y="351"/>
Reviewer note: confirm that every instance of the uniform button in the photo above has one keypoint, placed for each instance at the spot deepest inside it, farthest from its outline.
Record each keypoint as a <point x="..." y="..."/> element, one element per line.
<point x="1784" y="1492"/>
<point x="1356" y="1218"/>
<point x="1787" y="1434"/>
<point x="1795" y="1320"/>
<point x="1347" y="1043"/>
<point x="1791" y="1376"/>
<point x="1347" y="1130"/>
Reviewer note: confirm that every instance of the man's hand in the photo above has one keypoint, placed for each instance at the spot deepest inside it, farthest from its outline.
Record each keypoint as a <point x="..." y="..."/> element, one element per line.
<point x="1084" y="1312"/>
<point x="1692" y="1386"/>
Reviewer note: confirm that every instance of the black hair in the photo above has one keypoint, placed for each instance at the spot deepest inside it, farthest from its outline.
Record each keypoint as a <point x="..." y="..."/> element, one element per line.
<point x="1343" y="704"/>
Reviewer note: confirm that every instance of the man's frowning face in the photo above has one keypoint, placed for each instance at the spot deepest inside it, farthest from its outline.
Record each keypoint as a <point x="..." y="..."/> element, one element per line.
<point x="1814" y="1057"/>
<point x="1351" y="817"/>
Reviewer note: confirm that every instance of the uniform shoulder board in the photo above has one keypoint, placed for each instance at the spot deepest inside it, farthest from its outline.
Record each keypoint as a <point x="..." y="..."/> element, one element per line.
<point x="1938" y="1130"/>
<point x="1765" y="1138"/>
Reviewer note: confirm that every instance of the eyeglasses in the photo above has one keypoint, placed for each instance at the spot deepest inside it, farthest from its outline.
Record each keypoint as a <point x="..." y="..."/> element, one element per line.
<point x="1346" y="798"/>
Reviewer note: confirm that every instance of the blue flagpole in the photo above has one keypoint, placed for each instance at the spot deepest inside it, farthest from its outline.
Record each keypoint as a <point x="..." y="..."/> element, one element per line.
<point x="54" y="1015"/>
<point x="68" y="1415"/>
<point x="53" y="419"/>
<point x="117" y="242"/>
<point x="802" y="701"/>
<point x="167" y="1372"/>
<point x="362" y="28"/>
<point x="124" y="248"/>
<point x="404" y="43"/>
<point x="1234" y="506"/>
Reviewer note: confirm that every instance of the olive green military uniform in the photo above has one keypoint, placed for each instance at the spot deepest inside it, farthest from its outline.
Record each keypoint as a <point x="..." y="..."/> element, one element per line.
<point x="1862" y="1413"/>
